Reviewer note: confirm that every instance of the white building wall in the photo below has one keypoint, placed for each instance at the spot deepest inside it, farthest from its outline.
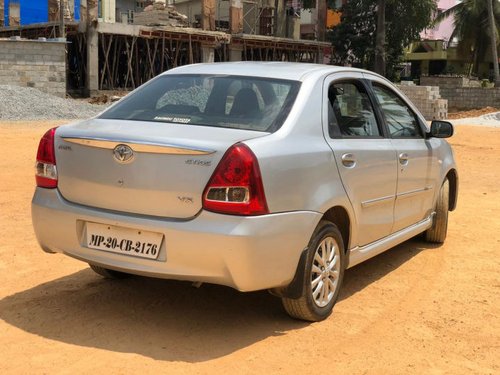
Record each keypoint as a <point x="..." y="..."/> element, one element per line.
<point x="108" y="10"/>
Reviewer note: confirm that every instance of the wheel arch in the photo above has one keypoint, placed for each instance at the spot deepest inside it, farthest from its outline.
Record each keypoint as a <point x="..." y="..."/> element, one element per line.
<point x="337" y="215"/>
<point x="452" y="177"/>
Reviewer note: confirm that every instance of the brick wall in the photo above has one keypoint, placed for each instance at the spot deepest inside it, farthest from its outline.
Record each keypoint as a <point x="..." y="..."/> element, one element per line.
<point x="33" y="63"/>
<point x="449" y="81"/>
<point x="427" y="99"/>
<point x="463" y="93"/>
<point x="472" y="97"/>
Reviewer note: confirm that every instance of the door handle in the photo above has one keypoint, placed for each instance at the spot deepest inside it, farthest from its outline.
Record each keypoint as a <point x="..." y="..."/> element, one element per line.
<point x="403" y="158"/>
<point x="348" y="160"/>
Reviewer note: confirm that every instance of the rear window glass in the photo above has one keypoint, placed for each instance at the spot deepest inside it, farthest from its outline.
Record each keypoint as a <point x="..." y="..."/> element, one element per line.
<point x="238" y="102"/>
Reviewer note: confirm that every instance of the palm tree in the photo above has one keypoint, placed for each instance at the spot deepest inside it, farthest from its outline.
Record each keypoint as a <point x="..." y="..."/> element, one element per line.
<point x="472" y="28"/>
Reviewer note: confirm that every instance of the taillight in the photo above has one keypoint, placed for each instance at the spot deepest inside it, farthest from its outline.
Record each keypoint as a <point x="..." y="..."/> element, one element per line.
<point x="236" y="185"/>
<point x="45" y="168"/>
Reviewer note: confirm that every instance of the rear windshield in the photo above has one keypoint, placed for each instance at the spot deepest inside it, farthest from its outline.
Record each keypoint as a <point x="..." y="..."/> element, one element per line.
<point x="238" y="102"/>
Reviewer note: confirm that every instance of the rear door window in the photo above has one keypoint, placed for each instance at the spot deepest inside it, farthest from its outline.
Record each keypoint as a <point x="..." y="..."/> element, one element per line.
<point x="351" y="113"/>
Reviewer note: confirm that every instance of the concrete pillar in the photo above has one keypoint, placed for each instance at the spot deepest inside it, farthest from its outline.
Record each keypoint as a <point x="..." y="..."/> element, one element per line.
<point x="1" y="13"/>
<point x="108" y="11"/>
<point x="14" y="14"/>
<point x="91" y="12"/>
<point x="83" y="16"/>
<point x="53" y="6"/>
<point x="236" y="17"/>
<point x="208" y="15"/>
<point x="235" y="53"/>
<point x="62" y="27"/>
<point x="321" y="56"/>
<point x="293" y="27"/>
<point x="280" y="19"/>
<point x="207" y="54"/>
<point x="92" y="79"/>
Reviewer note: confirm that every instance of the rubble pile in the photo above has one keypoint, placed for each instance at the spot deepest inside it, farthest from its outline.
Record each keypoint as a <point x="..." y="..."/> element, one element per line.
<point x="26" y="103"/>
<point x="159" y="14"/>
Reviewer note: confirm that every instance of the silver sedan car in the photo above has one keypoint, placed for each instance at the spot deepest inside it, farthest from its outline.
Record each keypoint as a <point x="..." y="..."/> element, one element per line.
<point x="273" y="176"/>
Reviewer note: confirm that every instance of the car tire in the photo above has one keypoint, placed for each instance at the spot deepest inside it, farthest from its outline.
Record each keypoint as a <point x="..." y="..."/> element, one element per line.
<point x="323" y="275"/>
<point x="107" y="273"/>
<point x="437" y="233"/>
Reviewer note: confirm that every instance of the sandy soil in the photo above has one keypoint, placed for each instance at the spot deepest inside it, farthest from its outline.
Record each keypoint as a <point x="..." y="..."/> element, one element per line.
<point x="414" y="309"/>
<point x="471" y="113"/>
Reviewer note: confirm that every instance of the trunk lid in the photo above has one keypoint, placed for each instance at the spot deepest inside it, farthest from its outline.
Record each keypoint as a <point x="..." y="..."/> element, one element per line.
<point x="159" y="169"/>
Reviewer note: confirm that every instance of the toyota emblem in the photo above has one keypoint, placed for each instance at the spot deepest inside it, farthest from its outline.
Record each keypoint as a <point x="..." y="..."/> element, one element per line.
<point x="123" y="154"/>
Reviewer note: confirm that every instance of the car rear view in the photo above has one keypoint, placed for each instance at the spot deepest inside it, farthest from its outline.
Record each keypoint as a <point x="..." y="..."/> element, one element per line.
<point x="162" y="184"/>
<point x="275" y="176"/>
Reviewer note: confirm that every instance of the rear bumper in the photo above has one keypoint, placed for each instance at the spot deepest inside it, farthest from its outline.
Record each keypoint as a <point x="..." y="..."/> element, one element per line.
<point x="246" y="253"/>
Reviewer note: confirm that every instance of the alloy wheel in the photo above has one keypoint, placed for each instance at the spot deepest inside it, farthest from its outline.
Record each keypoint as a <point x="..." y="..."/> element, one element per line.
<point x="325" y="271"/>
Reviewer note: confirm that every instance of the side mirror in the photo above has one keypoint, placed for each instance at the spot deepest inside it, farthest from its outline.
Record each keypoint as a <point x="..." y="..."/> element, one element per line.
<point x="441" y="129"/>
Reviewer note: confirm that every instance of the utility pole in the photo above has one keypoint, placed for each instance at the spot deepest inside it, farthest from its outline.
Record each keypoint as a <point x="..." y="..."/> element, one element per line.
<point x="321" y="9"/>
<point x="62" y="31"/>
<point x="493" y="38"/>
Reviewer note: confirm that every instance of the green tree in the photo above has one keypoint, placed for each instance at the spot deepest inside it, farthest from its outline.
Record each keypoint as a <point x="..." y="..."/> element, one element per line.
<point x="354" y="39"/>
<point x="472" y="28"/>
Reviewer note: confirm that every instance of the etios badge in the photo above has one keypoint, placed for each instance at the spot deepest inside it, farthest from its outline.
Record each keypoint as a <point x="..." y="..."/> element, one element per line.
<point x="123" y="154"/>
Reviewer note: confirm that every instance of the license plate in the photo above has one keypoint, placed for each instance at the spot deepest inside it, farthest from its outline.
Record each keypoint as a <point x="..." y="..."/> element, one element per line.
<point x="134" y="242"/>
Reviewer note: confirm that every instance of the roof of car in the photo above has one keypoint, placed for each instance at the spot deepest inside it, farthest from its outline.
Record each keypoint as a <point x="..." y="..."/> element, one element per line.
<point x="279" y="70"/>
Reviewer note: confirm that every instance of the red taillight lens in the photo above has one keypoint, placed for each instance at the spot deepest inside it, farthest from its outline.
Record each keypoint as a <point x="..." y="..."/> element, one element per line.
<point x="45" y="168"/>
<point x="236" y="185"/>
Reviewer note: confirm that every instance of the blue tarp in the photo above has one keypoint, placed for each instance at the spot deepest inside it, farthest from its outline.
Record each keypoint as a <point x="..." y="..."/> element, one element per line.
<point x="35" y="11"/>
<point x="6" y="12"/>
<point x="77" y="10"/>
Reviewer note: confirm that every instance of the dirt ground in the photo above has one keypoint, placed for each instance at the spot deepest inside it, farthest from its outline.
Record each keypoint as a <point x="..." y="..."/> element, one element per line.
<point x="414" y="309"/>
<point x="472" y="113"/>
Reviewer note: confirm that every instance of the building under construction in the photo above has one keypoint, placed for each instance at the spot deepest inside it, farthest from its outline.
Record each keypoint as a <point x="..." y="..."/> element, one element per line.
<point x="120" y="44"/>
